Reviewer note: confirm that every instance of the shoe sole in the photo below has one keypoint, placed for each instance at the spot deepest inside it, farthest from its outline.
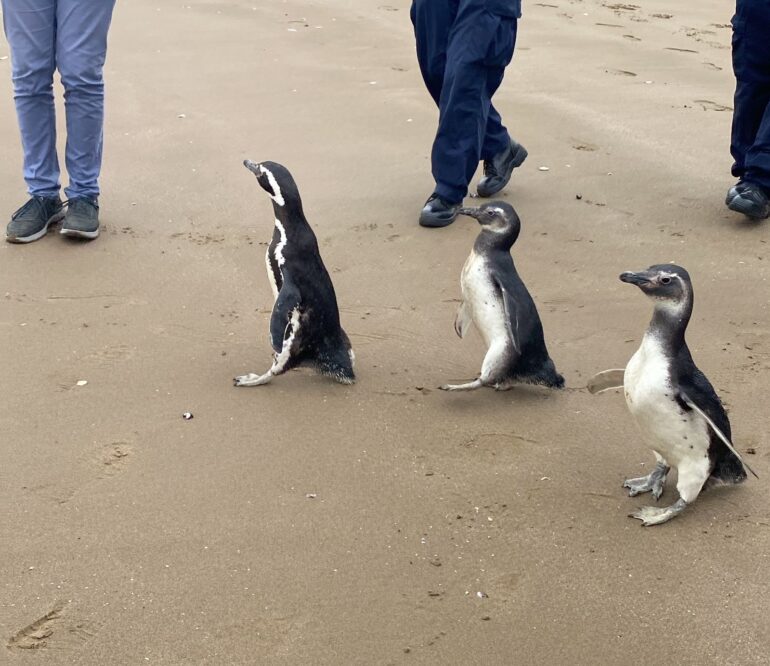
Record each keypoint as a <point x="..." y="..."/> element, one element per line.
<point x="75" y="233"/>
<point x="740" y="205"/>
<point x="58" y="217"/>
<point x="518" y="159"/>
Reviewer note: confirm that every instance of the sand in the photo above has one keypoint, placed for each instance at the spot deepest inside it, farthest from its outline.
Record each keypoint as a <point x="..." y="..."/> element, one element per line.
<point x="386" y="523"/>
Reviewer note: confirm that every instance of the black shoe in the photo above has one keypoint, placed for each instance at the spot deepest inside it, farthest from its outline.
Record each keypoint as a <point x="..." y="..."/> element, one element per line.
<point x="438" y="213"/>
<point x="498" y="170"/>
<point x="32" y="220"/>
<point x="82" y="219"/>
<point x="752" y="201"/>
<point x="734" y="191"/>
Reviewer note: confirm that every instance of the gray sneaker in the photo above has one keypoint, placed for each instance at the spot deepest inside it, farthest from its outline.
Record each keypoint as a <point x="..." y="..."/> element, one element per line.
<point x="32" y="220"/>
<point x="82" y="219"/>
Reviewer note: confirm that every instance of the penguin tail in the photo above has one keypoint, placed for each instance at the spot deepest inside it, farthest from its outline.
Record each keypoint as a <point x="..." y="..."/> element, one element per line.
<point x="336" y="361"/>
<point x="728" y="470"/>
<point x="548" y="376"/>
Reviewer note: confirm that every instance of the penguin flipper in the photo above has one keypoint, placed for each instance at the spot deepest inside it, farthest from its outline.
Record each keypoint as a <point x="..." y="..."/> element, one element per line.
<point x="688" y="401"/>
<point x="462" y="320"/>
<point x="511" y="316"/>
<point x="288" y="299"/>
<point x="606" y="381"/>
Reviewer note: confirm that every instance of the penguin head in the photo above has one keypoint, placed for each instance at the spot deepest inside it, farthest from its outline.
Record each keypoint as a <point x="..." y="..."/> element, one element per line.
<point x="496" y="217"/>
<point x="668" y="285"/>
<point x="275" y="179"/>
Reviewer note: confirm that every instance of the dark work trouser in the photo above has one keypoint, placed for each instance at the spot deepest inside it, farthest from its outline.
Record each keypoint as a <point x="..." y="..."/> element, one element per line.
<point x="463" y="49"/>
<point x="750" y="145"/>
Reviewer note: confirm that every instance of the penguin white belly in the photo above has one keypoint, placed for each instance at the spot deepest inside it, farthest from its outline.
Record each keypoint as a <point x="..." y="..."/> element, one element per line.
<point x="678" y="436"/>
<point x="484" y="301"/>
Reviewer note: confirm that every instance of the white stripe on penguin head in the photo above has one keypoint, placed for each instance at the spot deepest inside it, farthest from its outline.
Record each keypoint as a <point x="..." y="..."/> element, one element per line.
<point x="276" y="196"/>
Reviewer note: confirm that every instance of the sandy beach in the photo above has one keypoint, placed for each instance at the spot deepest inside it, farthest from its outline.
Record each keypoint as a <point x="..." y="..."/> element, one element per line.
<point x="389" y="522"/>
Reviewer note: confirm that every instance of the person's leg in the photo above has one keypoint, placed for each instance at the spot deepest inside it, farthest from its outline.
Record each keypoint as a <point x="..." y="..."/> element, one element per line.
<point x="750" y="142"/>
<point x="496" y="137"/>
<point x="751" y="65"/>
<point x="500" y="153"/>
<point x="480" y="46"/>
<point x="751" y="100"/>
<point x="81" y="49"/>
<point x="758" y="156"/>
<point x="30" y="26"/>
<point x="432" y="21"/>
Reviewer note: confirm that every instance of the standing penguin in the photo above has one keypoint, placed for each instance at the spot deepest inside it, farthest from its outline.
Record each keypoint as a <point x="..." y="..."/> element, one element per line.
<point x="498" y="303"/>
<point x="305" y="323"/>
<point x="673" y="402"/>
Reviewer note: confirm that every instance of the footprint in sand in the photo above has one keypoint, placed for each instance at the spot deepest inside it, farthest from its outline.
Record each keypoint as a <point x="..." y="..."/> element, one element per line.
<point x="113" y="458"/>
<point x="53" y="631"/>
<point x="111" y="355"/>
<point x="662" y="16"/>
<point x="708" y="105"/>
<point x="110" y="460"/>
<point x="585" y="146"/>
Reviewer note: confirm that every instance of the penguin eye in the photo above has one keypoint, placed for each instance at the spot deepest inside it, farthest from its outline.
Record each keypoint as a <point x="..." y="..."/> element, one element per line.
<point x="665" y="280"/>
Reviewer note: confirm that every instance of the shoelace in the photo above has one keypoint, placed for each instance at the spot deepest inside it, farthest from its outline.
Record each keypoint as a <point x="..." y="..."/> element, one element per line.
<point x="33" y="202"/>
<point x="489" y="168"/>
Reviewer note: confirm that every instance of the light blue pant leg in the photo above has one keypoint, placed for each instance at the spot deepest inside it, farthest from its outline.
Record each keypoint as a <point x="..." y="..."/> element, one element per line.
<point x="30" y="29"/>
<point x="81" y="49"/>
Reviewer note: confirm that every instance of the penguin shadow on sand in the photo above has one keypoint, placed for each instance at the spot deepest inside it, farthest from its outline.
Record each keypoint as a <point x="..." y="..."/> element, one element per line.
<point x="675" y="406"/>
<point x="305" y="322"/>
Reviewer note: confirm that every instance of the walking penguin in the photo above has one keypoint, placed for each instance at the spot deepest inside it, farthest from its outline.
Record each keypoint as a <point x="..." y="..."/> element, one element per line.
<point x="674" y="404"/>
<point x="305" y="323"/>
<point x="496" y="300"/>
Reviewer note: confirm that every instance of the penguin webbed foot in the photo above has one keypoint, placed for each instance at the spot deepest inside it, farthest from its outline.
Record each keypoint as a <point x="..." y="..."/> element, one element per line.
<point x="252" y="379"/>
<point x="468" y="386"/>
<point x="653" y="482"/>
<point x="653" y="515"/>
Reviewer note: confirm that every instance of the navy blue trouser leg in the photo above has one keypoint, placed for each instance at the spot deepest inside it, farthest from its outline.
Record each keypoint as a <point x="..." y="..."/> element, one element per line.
<point x="750" y="143"/>
<point x="463" y="50"/>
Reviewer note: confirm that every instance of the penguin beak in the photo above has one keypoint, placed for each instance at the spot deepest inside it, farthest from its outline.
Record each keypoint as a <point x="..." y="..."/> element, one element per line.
<point x="470" y="212"/>
<point x="639" y="279"/>
<point x="252" y="166"/>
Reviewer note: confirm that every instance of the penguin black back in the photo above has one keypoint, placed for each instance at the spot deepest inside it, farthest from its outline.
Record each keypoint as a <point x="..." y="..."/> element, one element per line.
<point x="306" y="303"/>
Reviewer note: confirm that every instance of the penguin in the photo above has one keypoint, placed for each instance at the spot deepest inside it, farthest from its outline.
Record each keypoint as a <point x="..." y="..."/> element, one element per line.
<point x="305" y="322"/>
<point x="672" y="401"/>
<point x="496" y="300"/>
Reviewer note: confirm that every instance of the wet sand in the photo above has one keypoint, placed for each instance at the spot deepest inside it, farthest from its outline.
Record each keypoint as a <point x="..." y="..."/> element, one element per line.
<point x="385" y="523"/>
